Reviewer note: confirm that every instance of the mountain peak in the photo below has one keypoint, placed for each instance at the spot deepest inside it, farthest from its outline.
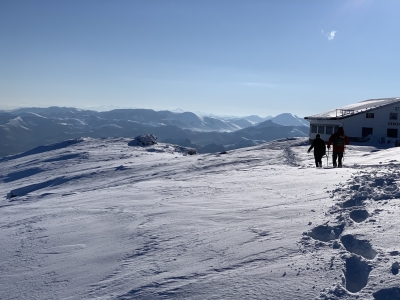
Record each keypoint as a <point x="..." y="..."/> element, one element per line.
<point x="288" y="119"/>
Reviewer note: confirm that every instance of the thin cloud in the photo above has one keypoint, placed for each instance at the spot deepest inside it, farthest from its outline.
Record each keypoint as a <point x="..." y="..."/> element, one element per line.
<point x="329" y="35"/>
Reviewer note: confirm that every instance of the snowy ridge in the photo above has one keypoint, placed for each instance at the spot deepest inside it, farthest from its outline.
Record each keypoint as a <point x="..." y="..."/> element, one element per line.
<point x="152" y="222"/>
<point x="18" y="122"/>
<point x="288" y="119"/>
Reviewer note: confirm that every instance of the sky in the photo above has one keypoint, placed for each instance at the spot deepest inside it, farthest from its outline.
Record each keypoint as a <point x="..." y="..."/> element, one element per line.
<point x="225" y="57"/>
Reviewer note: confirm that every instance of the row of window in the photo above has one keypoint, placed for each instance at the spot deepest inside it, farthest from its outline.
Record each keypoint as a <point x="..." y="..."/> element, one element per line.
<point x="322" y="129"/>
<point x="390" y="133"/>
<point x="392" y="116"/>
<point x="365" y="131"/>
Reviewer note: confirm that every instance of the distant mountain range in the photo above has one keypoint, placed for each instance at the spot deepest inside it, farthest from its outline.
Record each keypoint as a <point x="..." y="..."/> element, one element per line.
<point x="25" y="128"/>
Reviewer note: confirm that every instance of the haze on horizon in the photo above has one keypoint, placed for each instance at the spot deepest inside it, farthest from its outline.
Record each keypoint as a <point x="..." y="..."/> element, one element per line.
<point x="225" y="57"/>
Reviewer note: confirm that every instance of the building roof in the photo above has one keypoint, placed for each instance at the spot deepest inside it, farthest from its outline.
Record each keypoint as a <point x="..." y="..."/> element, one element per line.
<point x="353" y="109"/>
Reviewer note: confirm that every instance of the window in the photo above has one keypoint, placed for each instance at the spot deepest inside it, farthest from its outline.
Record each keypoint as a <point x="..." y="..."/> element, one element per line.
<point x="366" y="131"/>
<point x="321" y="129"/>
<point x="370" y="115"/>
<point x="392" y="133"/>
<point x="393" y="116"/>
<point x="329" y="130"/>
<point x="313" y="128"/>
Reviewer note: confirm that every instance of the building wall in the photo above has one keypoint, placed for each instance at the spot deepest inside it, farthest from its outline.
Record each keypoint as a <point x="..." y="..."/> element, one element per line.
<point x="353" y="125"/>
<point x="322" y="128"/>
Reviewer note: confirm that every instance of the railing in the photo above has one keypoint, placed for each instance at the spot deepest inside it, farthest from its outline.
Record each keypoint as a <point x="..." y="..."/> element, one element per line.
<point x="344" y="112"/>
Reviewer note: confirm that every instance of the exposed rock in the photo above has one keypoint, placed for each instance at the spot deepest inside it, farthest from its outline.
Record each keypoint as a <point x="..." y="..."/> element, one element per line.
<point x="143" y="140"/>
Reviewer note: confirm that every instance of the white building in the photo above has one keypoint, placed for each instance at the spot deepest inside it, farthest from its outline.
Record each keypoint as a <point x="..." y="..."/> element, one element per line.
<point x="375" y="120"/>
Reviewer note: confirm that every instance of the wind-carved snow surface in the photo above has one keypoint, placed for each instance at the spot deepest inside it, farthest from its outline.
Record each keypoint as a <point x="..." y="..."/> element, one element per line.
<point x="112" y="219"/>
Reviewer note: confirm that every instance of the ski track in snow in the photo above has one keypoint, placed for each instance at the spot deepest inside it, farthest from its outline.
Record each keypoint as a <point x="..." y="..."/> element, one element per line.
<point x="97" y="219"/>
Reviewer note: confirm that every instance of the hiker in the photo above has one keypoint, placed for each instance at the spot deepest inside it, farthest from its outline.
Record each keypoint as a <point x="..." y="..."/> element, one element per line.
<point x="339" y="140"/>
<point x="319" y="150"/>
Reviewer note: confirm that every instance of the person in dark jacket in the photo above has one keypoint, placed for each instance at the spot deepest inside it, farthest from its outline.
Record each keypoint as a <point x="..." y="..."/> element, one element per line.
<point x="339" y="140"/>
<point x="319" y="150"/>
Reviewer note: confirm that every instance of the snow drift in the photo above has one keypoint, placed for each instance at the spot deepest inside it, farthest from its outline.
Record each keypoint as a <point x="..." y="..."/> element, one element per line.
<point x="99" y="219"/>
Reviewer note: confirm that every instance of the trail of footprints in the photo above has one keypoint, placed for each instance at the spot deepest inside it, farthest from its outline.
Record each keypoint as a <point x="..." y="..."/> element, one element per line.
<point x="360" y="254"/>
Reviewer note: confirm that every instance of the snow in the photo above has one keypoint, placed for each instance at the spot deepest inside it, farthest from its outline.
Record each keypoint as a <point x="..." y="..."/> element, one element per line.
<point x="288" y="119"/>
<point x="356" y="107"/>
<point x="18" y="122"/>
<point x="110" y="126"/>
<point x="99" y="219"/>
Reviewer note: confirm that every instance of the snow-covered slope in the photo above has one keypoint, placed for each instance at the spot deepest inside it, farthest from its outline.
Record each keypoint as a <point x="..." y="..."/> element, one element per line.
<point x="99" y="219"/>
<point x="288" y="119"/>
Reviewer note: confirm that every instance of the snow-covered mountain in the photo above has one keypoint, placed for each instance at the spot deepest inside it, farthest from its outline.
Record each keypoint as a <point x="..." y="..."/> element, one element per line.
<point x="26" y="128"/>
<point x="186" y="120"/>
<point x="268" y="123"/>
<point x="288" y="119"/>
<point x="99" y="219"/>
<point x="257" y="119"/>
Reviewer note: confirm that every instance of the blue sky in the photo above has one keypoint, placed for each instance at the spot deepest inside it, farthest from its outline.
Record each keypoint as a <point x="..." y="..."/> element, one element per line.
<point x="226" y="57"/>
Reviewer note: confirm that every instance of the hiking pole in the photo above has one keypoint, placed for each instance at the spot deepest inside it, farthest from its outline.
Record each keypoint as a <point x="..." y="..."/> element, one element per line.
<point x="344" y="151"/>
<point x="327" y="158"/>
<point x="343" y="158"/>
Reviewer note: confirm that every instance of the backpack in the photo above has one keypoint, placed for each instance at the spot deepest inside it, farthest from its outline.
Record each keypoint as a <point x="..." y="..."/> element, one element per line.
<point x="339" y="140"/>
